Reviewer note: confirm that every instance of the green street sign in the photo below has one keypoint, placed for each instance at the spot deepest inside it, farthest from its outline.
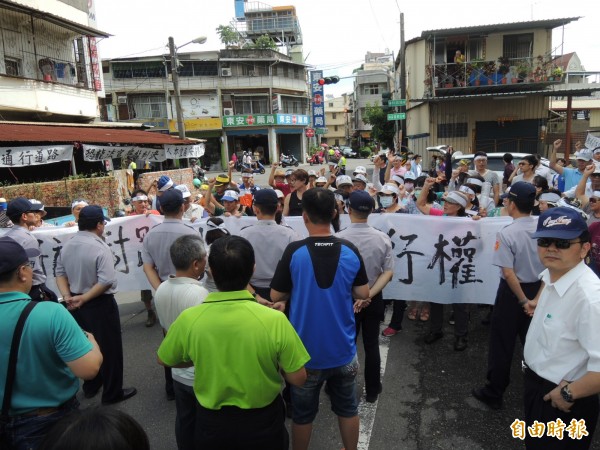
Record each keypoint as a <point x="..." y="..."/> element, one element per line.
<point x="396" y="116"/>
<point x="321" y="130"/>
<point x="398" y="102"/>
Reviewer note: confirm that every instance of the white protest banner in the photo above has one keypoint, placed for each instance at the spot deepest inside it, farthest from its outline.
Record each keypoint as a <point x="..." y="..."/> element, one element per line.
<point x="103" y="152"/>
<point x="445" y="260"/>
<point x="33" y="156"/>
<point x="184" y="151"/>
<point x="592" y="141"/>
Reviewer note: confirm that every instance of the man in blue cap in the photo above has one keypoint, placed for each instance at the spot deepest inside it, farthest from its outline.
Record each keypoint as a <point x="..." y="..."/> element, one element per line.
<point x="562" y="350"/>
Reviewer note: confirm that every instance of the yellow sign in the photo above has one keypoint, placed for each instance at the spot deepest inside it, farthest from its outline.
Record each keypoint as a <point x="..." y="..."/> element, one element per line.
<point x="207" y="123"/>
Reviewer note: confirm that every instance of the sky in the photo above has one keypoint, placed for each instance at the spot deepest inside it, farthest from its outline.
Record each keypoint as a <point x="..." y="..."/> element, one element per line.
<point x="337" y="34"/>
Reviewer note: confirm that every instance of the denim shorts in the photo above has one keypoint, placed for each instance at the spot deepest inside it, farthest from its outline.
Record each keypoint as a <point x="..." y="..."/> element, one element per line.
<point x="341" y="383"/>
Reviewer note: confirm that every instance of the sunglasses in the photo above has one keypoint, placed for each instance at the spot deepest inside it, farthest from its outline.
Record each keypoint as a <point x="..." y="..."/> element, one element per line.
<point x="594" y="200"/>
<point x="561" y="244"/>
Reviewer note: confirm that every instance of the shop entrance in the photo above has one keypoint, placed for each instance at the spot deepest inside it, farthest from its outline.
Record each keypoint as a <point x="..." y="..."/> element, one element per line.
<point x="258" y="144"/>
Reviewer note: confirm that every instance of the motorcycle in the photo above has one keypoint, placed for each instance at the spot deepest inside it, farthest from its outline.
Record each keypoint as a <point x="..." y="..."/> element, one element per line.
<point x="288" y="160"/>
<point x="256" y="168"/>
<point x="316" y="159"/>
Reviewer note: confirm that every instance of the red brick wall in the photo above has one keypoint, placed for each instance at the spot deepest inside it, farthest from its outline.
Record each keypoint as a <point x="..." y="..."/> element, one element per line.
<point x="179" y="176"/>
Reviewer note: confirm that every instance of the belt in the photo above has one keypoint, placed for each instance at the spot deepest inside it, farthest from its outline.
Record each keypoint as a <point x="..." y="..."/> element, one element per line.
<point x="532" y="376"/>
<point x="46" y="411"/>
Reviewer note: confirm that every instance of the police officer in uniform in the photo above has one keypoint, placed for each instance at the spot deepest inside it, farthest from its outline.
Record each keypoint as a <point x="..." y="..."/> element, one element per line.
<point x="25" y="214"/>
<point x="269" y="241"/>
<point x="156" y="255"/>
<point x="375" y="248"/>
<point x="516" y="255"/>
<point x="87" y="280"/>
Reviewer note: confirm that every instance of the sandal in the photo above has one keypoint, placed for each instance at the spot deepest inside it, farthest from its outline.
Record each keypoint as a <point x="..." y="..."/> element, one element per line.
<point x="412" y="314"/>
<point x="424" y="317"/>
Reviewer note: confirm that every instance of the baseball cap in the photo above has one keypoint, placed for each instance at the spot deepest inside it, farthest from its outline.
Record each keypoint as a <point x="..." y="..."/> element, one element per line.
<point x="361" y="201"/>
<point x="521" y="191"/>
<point x="321" y="180"/>
<point x="584" y="154"/>
<point x="221" y="180"/>
<point x="231" y="196"/>
<point x="91" y="213"/>
<point x="359" y="177"/>
<point x="172" y="199"/>
<point x="343" y="180"/>
<point x="560" y="223"/>
<point x="409" y="176"/>
<point x="389" y="189"/>
<point x="12" y="254"/>
<point x="360" y="169"/>
<point x="185" y="192"/>
<point x="289" y="172"/>
<point x="164" y="183"/>
<point x="265" y="197"/>
<point x="20" y="205"/>
<point x="279" y="194"/>
<point x="312" y="173"/>
<point x="37" y="202"/>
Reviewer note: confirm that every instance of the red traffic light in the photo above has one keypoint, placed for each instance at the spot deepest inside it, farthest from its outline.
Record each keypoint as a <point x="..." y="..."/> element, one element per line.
<point x="321" y="81"/>
<point x="328" y="80"/>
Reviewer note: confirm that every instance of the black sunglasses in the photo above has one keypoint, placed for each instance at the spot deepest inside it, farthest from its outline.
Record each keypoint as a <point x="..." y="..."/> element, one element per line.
<point x="561" y="244"/>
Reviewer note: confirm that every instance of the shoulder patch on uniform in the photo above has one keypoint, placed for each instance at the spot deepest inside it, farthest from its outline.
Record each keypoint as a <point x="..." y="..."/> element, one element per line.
<point x="497" y="245"/>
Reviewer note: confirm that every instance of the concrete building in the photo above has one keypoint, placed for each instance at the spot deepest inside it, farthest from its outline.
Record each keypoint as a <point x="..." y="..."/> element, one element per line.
<point x="235" y="99"/>
<point x="338" y="120"/>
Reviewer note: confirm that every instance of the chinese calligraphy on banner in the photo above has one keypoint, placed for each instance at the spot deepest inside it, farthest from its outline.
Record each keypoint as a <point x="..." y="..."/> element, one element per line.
<point x="32" y="156"/>
<point x="103" y="152"/>
<point x="446" y="260"/>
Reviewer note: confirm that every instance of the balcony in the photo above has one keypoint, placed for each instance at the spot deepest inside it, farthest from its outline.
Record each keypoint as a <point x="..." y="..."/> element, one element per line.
<point x="503" y="75"/>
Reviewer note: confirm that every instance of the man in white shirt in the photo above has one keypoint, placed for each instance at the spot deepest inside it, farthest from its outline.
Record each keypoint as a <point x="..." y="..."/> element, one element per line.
<point x="562" y="348"/>
<point x="172" y="297"/>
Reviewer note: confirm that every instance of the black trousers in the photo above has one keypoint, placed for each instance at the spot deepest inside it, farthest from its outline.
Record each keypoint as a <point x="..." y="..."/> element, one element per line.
<point x="461" y="318"/>
<point x="100" y="316"/>
<point x="537" y="409"/>
<point x="508" y="322"/>
<point x="399" y="306"/>
<point x="232" y="428"/>
<point x="368" y="320"/>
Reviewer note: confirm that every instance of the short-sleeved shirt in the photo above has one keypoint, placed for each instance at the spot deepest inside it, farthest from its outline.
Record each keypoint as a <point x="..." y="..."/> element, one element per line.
<point x="172" y="297"/>
<point x="50" y="339"/>
<point x="490" y="176"/>
<point x="374" y="246"/>
<point x="157" y="245"/>
<point x="194" y="210"/>
<point x="563" y="341"/>
<point x="516" y="250"/>
<point x="269" y="241"/>
<point x="87" y="260"/>
<point x="572" y="177"/>
<point x="319" y="273"/>
<point x="27" y="240"/>
<point x="237" y="347"/>
<point x="284" y="188"/>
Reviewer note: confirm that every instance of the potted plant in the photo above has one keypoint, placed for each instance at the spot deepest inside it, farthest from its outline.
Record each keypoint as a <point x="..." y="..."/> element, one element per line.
<point x="489" y="69"/>
<point x="475" y="71"/>
<point x="503" y="67"/>
<point x="523" y="69"/>
<point x="557" y="73"/>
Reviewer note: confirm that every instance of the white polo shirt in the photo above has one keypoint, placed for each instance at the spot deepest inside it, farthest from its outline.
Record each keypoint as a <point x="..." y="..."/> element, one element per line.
<point x="563" y="341"/>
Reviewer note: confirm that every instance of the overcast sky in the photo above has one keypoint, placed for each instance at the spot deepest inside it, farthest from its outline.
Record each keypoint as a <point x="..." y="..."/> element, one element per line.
<point x="337" y="34"/>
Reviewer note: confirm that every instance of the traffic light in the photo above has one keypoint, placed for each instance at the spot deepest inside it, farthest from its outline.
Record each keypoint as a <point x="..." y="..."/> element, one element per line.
<point x="329" y="80"/>
<point x="385" y="101"/>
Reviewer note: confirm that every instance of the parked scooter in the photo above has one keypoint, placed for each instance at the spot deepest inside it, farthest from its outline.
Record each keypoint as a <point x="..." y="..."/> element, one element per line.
<point x="288" y="160"/>
<point x="256" y="168"/>
<point x="316" y="159"/>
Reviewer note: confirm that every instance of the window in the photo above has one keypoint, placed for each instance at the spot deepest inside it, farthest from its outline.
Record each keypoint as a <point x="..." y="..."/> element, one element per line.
<point x="331" y="104"/>
<point x="333" y="115"/>
<point x="518" y="46"/>
<point x="13" y="66"/>
<point x="452" y="130"/>
<point x="148" y="107"/>
<point x="150" y="69"/>
<point x="372" y="89"/>
<point x="293" y="105"/>
<point x="335" y="128"/>
<point x="251" y="105"/>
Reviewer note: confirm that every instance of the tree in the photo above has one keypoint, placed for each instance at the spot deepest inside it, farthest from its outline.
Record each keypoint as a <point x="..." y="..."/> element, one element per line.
<point x="382" y="130"/>
<point x="264" y="42"/>
<point x="229" y="36"/>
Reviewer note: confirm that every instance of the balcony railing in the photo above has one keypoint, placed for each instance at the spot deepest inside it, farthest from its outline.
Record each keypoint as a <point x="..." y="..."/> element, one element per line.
<point x="518" y="72"/>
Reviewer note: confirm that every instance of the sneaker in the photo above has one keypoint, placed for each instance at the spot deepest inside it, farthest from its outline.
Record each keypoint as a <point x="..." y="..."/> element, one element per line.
<point x="460" y="343"/>
<point x="389" y="331"/>
<point x="482" y="395"/>
<point x="433" y="337"/>
<point x="151" y="320"/>
<point x="451" y="319"/>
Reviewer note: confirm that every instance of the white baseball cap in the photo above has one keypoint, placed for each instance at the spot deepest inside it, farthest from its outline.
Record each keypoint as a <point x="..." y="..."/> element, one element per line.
<point x="230" y="196"/>
<point x="343" y="180"/>
<point x="360" y="169"/>
<point x="185" y="192"/>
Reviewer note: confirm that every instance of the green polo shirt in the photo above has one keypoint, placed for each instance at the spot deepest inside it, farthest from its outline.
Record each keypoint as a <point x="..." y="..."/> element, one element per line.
<point x="237" y="347"/>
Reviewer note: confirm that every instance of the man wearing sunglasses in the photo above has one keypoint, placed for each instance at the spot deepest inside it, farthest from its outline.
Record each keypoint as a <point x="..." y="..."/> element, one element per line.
<point x="588" y="192"/>
<point x="562" y="350"/>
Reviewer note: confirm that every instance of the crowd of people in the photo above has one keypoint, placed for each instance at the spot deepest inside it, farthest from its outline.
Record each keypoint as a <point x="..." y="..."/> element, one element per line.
<point x="286" y="312"/>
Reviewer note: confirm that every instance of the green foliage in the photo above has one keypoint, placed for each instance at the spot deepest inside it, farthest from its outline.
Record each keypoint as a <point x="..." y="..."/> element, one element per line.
<point x="382" y="129"/>
<point x="365" y="152"/>
<point x="264" y="42"/>
<point x="228" y="35"/>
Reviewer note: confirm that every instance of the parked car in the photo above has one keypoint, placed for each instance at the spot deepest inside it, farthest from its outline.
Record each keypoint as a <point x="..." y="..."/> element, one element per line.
<point x="348" y="152"/>
<point x="495" y="161"/>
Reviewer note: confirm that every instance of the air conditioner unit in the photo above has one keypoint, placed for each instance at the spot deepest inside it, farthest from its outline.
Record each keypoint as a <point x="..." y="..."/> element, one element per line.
<point x="228" y="111"/>
<point x="225" y="71"/>
<point x="122" y="99"/>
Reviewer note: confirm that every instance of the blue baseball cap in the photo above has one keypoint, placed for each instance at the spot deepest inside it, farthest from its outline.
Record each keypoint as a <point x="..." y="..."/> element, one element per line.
<point x="91" y="213"/>
<point x="20" y="205"/>
<point x="521" y="191"/>
<point x="265" y="197"/>
<point x="560" y="223"/>
<point x="361" y="201"/>
<point x="12" y="254"/>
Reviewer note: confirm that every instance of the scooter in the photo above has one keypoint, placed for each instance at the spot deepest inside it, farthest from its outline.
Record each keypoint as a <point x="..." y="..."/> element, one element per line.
<point x="288" y="160"/>
<point x="258" y="168"/>
<point x="316" y="159"/>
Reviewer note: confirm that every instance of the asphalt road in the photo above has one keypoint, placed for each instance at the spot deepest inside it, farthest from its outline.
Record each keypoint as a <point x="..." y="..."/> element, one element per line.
<point x="425" y="404"/>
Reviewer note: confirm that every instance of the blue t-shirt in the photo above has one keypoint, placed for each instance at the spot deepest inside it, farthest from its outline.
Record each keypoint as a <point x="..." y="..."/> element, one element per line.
<point x="572" y="177"/>
<point x="50" y="338"/>
<point x="320" y="273"/>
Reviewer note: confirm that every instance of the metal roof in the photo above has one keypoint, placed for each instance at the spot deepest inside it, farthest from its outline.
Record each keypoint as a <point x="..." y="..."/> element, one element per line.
<point x="495" y="28"/>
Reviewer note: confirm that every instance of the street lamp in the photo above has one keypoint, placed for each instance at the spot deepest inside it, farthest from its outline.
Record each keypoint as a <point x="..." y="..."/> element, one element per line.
<point x="175" y="77"/>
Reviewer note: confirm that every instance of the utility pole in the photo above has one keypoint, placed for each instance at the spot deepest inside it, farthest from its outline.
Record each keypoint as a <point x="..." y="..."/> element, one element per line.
<point x="175" y="78"/>
<point x="403" y="141"/>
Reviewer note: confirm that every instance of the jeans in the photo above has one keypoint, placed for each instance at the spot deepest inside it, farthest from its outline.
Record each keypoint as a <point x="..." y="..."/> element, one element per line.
<point x="27" y="432"/>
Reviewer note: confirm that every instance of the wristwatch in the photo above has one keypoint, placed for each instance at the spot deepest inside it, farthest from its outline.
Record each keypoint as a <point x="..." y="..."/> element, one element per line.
<point x="565" y="392"/>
